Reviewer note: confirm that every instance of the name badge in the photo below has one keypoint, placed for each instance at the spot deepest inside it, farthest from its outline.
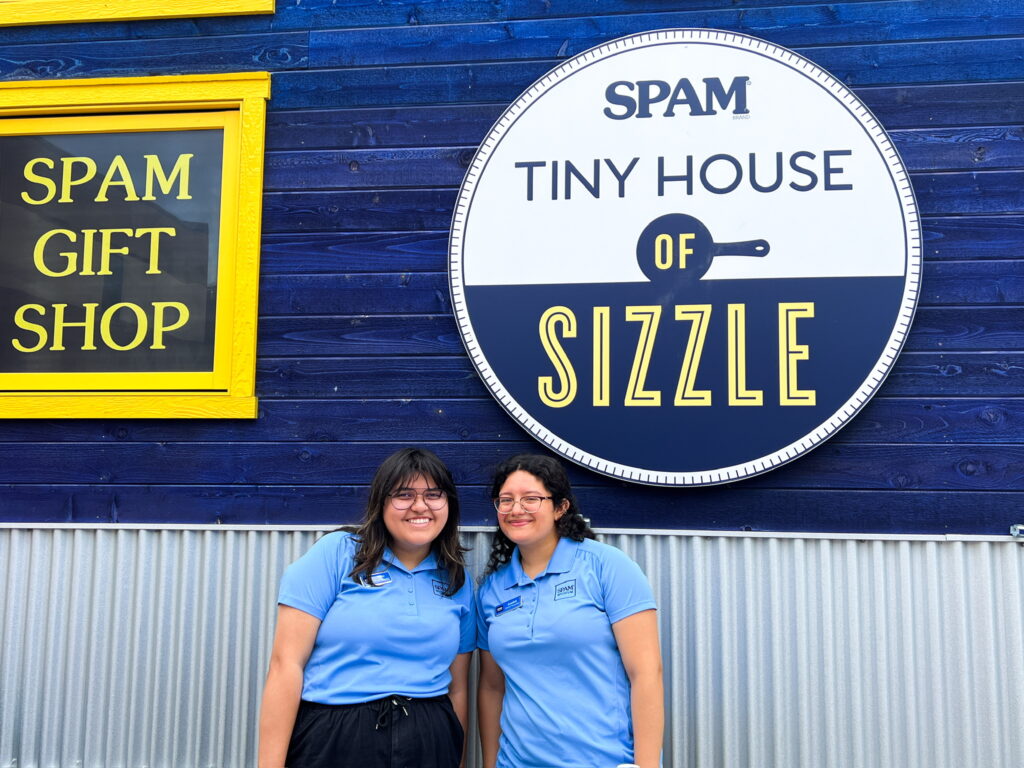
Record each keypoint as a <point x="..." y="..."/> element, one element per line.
<point x="508" y="605"/>
<point x="378" y="579"/>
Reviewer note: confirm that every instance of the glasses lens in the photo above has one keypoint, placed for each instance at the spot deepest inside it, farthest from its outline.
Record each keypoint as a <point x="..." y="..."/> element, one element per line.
<point x="530" y="503"/>
<point x="402" y="499"/>
<point x="504" y="504"/>
<point x="434" y="499"/>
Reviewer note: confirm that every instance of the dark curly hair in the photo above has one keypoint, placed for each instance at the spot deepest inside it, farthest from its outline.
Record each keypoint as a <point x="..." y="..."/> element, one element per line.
<point x="373" y="536"/>
<point x="551" y="473"/>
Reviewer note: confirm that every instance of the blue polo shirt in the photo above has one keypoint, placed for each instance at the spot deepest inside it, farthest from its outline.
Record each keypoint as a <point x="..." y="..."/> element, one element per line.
<point x="398" y="636"/>
<point x="566" y="691"/>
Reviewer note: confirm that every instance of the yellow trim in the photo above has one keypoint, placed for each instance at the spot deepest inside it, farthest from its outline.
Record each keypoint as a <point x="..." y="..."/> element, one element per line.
<point x="241" y="99"/>
<point x="16" y="12"/>
<point x="102" y="406"/>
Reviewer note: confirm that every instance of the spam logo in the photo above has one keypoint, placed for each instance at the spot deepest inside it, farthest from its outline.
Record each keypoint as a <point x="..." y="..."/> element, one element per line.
<point x="565" y="589"/>
<point x="636" y="99"/>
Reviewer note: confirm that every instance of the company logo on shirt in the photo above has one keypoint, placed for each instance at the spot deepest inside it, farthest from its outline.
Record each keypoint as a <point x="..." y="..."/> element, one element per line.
<point x="565" y="589"/>
<point x="713" y="268"/>
<point x="508" y="605"/>
<point x="440" y="587"/>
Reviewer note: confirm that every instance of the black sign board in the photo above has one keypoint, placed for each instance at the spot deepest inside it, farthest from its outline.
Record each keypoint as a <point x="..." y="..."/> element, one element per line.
<point x="109" y="247"/>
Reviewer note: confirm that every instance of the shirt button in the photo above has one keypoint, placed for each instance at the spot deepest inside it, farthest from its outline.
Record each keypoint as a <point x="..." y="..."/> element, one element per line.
<point x="410" y="589"/>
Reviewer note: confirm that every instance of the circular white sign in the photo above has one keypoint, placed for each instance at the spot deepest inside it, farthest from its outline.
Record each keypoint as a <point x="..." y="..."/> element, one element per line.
<point x="685" y="257"/>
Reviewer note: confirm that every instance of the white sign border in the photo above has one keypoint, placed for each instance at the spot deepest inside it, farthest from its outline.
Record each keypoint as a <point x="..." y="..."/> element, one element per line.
<point x="871" y="383"/>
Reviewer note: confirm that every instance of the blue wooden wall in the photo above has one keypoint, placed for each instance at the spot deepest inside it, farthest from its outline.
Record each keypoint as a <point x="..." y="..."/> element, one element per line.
<point x="377" y="108"/>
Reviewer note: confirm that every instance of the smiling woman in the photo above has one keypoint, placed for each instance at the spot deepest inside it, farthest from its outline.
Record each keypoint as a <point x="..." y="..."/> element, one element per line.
<point x="567" y="635"/>
<point x="346" y="688"/>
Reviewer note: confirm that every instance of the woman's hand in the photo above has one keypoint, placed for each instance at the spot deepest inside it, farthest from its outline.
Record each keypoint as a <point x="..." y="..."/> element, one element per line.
<point x="293" y="642"/>
<point x="637" y="638"/>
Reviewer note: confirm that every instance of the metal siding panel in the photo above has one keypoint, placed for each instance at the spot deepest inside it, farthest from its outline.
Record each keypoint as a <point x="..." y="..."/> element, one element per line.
<point x="148" y="647"/>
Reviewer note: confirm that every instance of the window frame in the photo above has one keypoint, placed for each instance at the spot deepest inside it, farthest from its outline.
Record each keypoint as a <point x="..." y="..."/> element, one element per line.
<point x="18" y="12"/>
<point x="235" y="102"/>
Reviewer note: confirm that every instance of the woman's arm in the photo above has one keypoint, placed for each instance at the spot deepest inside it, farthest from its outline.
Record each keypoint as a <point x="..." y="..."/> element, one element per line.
<point x="293" y="642"/>
<point x="489" y="696"/>
<point x="458" y="691"/>
<point x="637" y="638"/>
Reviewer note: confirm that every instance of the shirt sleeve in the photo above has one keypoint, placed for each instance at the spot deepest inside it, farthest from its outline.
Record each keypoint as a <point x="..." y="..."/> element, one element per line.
<point x="626" y="589"/>
<point x="467" y="622"/>
<point x="312" y="582"/>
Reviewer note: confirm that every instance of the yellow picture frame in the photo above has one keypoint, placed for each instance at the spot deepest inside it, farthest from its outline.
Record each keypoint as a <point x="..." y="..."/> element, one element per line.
<point x="232" y="103"/>
<point x="18" y="12"/>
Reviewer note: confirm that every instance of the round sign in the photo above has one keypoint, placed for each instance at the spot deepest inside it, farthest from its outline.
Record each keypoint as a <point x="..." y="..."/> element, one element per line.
<point x="685" y="257"/>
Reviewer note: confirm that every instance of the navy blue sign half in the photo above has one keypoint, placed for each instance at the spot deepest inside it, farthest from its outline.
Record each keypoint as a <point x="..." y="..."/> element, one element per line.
<point x="685" y="257"/>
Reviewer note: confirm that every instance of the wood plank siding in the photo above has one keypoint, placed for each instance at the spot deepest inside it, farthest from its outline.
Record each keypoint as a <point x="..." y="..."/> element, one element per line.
<point x="377" y="108"/>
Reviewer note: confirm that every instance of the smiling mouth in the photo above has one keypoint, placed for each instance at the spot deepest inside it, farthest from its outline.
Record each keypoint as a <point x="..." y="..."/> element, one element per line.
<point x="420" y="521"/>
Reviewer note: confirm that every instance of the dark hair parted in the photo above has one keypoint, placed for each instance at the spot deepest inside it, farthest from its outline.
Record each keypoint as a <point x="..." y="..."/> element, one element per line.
<point x="552" y="474"/>
<point x="396" y="470"/>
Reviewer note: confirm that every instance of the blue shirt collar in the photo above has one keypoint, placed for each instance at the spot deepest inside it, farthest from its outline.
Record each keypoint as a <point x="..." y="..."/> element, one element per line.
<point x="429" y="563"/>
<point x="561" y="561"/>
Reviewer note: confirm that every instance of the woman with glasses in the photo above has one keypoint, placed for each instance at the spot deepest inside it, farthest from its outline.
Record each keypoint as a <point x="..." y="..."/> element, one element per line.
<point x="375" y="630"/>
<point x="570" y="669"/>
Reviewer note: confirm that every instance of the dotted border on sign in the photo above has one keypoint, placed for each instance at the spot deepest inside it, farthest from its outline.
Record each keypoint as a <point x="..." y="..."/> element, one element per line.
<point x="881" y="368"/>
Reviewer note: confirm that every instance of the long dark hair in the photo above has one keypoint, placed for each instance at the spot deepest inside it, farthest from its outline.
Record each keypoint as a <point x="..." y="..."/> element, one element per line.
<point x="551" y="473"/>
<point x="373" y="536"/>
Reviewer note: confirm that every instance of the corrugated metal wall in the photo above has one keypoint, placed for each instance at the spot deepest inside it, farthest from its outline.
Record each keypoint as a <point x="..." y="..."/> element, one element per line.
<point x="147" y="647"/>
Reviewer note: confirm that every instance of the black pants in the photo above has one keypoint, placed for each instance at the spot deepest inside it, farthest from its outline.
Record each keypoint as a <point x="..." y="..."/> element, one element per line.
<point x="396" y="732"/>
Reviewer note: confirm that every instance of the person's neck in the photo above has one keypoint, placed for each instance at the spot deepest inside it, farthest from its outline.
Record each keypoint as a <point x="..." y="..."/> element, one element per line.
<point x="411" y="558"/>
<point x="535" y="558"/>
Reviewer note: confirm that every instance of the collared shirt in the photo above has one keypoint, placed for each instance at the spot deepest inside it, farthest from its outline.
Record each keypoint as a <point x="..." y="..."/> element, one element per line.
<point x="566" y="691"/>
<point x="399" y="634"/>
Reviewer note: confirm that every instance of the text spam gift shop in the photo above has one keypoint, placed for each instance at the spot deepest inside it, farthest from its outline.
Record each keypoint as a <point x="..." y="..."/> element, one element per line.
<point x="109" y="239"/>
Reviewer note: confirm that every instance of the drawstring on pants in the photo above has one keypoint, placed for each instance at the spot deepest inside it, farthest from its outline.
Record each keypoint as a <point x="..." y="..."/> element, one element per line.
<point x="387" y="709"/>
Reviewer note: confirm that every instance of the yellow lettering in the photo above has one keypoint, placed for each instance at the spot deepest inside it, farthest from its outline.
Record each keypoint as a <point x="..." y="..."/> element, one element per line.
<point x="43" y="181"/>
<point x="118" y="166"/>
<point x="738" y="392"/>
<point x="106" y="250"/>
<point x="566" y="392"/>
<point x="68" y="178"/>
<point x="684" y="248"/>
<point x="155" y="172"/>
<point x="159" y="307"/>
<point x="88" y="326"/>
<point x="699" y="316"/>
<point x="649" y="316"/>
<point x="602" y="355"/>
<point x="154" y="245"/>
<point x="140" y="331"/>
<point x="38" y="330"/>
<point x="87" y="251"/>
<point x="663" y="251"/>
<point x="790" y="353"/>
<point x="71" y="256"/>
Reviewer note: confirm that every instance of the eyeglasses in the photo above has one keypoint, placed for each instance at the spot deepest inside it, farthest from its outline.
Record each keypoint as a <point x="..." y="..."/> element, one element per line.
<point x="434" y="498"/>
<point x="505" y="504"/>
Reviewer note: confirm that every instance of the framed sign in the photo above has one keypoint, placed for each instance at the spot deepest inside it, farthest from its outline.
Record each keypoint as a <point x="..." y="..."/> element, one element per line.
<point x="131" y="243"/>
<point x="15" y="12"/>
<point x="685" y="257"/>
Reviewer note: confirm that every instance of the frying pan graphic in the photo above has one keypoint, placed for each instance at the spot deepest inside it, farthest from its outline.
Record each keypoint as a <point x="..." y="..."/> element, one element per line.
<point x="678" y="247"/>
